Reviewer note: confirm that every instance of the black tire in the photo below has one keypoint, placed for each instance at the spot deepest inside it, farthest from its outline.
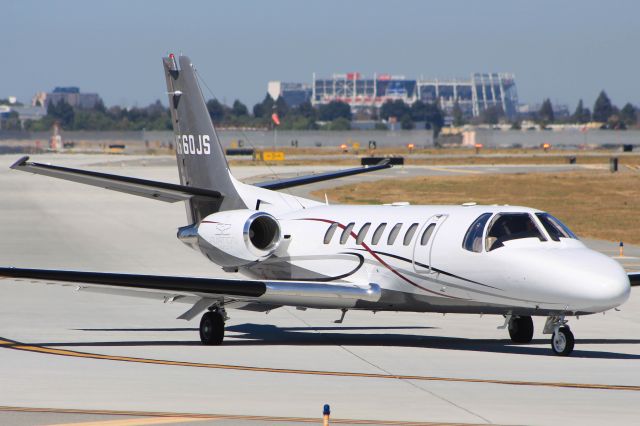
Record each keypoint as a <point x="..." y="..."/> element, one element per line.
<point x="212" y="329"/>
<point x="521" y="329"/>
<point x="562" y="342"/>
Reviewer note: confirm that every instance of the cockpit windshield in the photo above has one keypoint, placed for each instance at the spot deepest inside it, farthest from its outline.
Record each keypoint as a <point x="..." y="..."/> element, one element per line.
<point x="554" y="227"/>
<point x="511" y="226"/>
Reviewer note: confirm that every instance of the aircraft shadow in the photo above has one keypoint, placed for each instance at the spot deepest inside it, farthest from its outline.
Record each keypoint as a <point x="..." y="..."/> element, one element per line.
<point x="279" y="328"/>
<point x="270" y="335"/>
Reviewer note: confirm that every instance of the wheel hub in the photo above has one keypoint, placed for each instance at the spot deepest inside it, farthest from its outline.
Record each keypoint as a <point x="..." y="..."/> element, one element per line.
<point x="559" y="342"/>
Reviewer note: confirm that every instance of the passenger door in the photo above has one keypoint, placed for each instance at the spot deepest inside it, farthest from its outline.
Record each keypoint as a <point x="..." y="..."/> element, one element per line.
<point x="424" y="244"/>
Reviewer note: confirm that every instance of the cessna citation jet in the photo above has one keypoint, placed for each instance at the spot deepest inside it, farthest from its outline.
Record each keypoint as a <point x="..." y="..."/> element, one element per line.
<point x="517" y="262"/>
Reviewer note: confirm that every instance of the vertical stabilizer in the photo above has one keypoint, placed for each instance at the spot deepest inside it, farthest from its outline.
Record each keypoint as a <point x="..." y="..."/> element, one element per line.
<point x="201" y="159"/>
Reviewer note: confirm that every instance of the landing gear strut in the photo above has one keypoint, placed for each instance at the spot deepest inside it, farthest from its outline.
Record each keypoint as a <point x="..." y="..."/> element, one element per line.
<point x="212" y="327"/>
<point x="521" y="329"/>
<point x="562" y="340"/>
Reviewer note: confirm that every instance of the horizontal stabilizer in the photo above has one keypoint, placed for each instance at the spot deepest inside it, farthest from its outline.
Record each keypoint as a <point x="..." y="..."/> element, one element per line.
<point x="304" y="180"/>
<point x="162" y="191"/>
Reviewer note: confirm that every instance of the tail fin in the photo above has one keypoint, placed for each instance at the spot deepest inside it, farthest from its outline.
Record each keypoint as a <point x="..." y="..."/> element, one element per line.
<point x="201" y="160"/>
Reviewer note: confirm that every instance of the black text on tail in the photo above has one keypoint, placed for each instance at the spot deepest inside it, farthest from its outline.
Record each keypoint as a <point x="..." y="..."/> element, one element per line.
<point x="201" y="160"/>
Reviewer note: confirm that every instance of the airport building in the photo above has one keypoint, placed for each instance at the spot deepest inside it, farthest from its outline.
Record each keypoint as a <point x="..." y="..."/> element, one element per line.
<point x="70" y="95"/>
<point x="473" y="95"/>
<point x="293" y="94"/>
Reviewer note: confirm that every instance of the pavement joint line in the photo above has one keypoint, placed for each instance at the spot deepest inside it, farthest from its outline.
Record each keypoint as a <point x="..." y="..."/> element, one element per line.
<point x="90" y="355"/>
<point x="202" y="416"/>
<point x="379" y="368"/>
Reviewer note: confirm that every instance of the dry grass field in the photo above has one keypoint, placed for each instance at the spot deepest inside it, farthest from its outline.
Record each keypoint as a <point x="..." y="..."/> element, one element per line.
<point x="595" y="204"/>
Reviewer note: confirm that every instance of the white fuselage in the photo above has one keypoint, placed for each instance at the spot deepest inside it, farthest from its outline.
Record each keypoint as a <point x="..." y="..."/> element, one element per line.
<point x="435" y="272"/>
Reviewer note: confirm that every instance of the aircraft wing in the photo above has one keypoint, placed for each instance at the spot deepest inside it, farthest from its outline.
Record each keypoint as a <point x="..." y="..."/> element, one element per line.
<point x="204" y="292"/>
<point x="634" y="278"/>
<point x="319" y="177"/>
<point x="162" y="191"/>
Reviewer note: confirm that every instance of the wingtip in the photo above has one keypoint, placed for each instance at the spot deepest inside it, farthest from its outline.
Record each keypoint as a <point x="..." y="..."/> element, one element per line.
<point x="21" y="162"/>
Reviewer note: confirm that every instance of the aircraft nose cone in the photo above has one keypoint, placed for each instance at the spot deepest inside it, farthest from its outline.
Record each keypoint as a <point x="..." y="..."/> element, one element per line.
<point x="603" y="284"/>
<point x="574" y="280"/>
<point x="613" y="290"/>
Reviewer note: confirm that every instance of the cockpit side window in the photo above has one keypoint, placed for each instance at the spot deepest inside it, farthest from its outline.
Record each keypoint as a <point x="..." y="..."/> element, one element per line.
<point x="554" y="227"/>
<point x="473" y="238"/>
<point x="511" y="226"/>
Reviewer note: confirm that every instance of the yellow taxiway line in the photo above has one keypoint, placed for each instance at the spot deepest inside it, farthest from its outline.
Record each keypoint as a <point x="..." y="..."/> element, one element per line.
<point x="137" y="421"/>
<point x="190" y="417"/>
<point x="9" y="344"/>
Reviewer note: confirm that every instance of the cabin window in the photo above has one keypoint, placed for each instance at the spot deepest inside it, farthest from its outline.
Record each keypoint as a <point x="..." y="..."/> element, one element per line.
<point x="426" y="235"/>
<point x="329" y="235"/>
<point x="410" y="233"/>
<point x="363" y="233"/>
<point x="554" y="227"/>
<point x="394" y="233"/>
<point x="511" y="226"/>
<point x="345" y="234"/>
<point x="378" y="233"/>
<point x="473" y="238"/>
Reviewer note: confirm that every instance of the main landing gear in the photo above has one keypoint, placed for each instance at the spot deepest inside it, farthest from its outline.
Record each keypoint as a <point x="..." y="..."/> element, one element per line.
<point x="562" y="340"/>
<point x="212" y="326"/>
<point x="520" y="329"/>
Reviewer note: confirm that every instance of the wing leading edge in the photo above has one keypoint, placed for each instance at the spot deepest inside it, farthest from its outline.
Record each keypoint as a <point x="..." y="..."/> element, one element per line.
<point x="292" y="293"/>
<point x="162" y="191"/>
<point x="169" y="192"/>
<point x="307" y="179"/>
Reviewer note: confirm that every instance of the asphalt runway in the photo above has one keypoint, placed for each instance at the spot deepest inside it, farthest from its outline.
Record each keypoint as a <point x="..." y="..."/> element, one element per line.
<point x="73" y="357"/>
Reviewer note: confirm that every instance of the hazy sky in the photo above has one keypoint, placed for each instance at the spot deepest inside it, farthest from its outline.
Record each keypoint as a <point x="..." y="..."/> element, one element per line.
<point x="564" y="50"/>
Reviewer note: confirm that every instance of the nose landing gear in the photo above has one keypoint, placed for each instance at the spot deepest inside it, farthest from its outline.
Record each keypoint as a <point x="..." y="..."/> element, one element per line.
<point x="562" y="340"/>
<point x="212" y="326"/>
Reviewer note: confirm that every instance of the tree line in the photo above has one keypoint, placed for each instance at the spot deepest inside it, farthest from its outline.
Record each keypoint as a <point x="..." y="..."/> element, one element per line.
<point x="604" y="111"/>
<point x="332" y="116"/>
<point x="152" y="117"/>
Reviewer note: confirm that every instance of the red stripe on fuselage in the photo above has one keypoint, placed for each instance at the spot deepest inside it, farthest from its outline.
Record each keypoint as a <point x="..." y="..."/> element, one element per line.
<point x="382" y="262"/>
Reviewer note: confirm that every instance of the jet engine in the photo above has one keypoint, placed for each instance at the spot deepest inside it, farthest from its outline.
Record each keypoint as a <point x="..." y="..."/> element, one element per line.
<point x="239" y="237"/>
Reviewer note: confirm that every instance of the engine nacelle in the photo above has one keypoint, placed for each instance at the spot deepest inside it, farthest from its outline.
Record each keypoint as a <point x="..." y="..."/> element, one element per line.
<point x="239" y="237"/>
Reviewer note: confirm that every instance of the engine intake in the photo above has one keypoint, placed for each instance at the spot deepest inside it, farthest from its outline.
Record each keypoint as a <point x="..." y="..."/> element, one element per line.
<point x="262" y="233"/>
<point x="239" y="237"/>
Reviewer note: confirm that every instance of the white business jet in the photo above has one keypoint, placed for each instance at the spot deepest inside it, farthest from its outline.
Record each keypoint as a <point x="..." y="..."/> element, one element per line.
<point x="517" y="262"/>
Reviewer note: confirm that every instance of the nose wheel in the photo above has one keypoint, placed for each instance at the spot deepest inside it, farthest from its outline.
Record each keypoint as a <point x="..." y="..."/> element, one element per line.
<point x="562" y="341"/>
<point x="212" y="328"/>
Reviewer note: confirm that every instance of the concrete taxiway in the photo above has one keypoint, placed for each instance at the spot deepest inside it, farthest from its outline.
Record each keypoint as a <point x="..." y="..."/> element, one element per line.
<point x="71" y="356"/>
